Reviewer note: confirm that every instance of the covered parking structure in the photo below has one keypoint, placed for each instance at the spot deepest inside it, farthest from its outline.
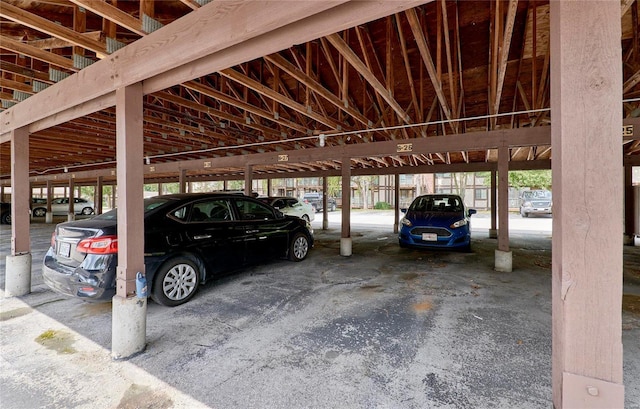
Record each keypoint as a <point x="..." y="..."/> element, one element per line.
<point x="295" y="88"/>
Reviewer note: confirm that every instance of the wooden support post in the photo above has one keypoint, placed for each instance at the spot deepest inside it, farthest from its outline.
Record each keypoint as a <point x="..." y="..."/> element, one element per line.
<point x="396" y="200"/>
<point x="493" y="231"/>
<point x="629" y="211"/>
<point x="248" y="180"/>
<point x="129" y="312"/>
<point x="325" y="204"/>
<point x="182" y="181"/>
<point x="49" y="215"/>
<point x="98" y="195"/>
<point x="71" y="215"/>
<point x="18" y="263"/>
<point x="503" y="257"/>
<point x="345" y="237"/>
<point x="587" y="236"/>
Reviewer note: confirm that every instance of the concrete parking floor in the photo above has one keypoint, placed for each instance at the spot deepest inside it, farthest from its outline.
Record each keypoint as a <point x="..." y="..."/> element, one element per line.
<point x="385" y="328"/>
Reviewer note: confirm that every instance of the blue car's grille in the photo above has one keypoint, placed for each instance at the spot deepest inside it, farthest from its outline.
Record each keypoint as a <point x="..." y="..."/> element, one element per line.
<point x="418" y="231"/>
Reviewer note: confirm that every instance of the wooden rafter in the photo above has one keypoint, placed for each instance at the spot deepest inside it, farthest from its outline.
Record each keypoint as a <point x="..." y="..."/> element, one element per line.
<point x="416" y="28"/>
<point x="18" y="15"/>
<point x="111" y="13"/>
<point x="266" y="91"/>
<point x="33" y="52"/>
<point x="355" y="61"/>
<point x="314" y="86"/>
<point x="503" y="55"/>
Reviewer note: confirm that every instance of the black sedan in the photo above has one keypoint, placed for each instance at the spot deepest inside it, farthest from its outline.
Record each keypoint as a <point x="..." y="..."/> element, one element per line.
<point x="188" y="239"/>
<point x="5" y="213"/>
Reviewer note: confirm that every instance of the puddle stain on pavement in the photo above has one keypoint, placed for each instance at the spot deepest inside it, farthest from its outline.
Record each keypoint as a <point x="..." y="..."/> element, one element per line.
<point x="143" y="397"/>
<point x="59" y="341"/>
<point x="15" y="313"/>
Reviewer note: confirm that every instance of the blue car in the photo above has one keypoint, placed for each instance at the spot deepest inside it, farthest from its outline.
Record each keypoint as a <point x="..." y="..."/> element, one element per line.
<point x="437" y="221"/>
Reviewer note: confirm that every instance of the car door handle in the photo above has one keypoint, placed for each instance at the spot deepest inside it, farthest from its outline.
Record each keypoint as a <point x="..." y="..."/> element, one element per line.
<point x="202" y="236"/>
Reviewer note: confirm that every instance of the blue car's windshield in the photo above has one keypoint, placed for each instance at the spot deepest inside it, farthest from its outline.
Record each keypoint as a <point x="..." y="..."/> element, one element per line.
<point x="437" y="204"/>
<point x="149" y="205"/>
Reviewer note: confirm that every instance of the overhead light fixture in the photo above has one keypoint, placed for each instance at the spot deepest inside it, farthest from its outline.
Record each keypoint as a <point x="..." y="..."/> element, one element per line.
<point x="66" y="169"/>
<point x="322" y="138"/>
<point x="147" y="160"/>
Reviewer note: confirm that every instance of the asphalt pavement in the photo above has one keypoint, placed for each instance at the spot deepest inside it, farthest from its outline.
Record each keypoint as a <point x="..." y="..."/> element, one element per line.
<point x="384" y="328"/>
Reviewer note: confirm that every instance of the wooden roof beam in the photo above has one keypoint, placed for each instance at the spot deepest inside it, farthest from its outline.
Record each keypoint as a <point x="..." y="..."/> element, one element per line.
<point x="114" y="14"/>
<point x="346" y="51"/>
<point x="38" y="23"/>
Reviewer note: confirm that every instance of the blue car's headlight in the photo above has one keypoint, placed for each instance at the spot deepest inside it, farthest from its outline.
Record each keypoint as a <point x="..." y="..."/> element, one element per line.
<point x="459" y="223"/>
<point x="406" y="222"/>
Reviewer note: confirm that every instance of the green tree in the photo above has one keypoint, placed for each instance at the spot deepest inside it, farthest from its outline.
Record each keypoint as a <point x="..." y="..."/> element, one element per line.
<point x="534" y="179"/>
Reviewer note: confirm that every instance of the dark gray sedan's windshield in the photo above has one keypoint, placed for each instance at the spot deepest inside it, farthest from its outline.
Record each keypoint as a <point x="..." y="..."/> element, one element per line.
<point x="149" y="205"/>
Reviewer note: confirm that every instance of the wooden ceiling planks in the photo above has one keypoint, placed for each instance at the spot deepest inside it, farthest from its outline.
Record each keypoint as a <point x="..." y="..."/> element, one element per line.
<point x="441" y="61"/>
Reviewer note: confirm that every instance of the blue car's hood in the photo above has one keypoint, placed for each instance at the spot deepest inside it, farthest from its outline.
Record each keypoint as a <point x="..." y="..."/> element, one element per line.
<point x="438" y="219"/>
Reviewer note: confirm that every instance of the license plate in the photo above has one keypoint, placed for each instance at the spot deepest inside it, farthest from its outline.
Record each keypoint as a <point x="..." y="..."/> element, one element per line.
<point x="65" y="249"/>
<point x="429" y="237"/>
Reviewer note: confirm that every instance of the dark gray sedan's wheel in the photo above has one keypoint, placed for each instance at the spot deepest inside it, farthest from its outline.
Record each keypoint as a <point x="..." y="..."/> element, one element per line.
<point x="6" y="218"/>
<point x="176" y="282"/>
<point x="87" y="211"/>
<point x="299" y="247"/>
<point x="39" y="212"/>
<point x="333" y="207"/>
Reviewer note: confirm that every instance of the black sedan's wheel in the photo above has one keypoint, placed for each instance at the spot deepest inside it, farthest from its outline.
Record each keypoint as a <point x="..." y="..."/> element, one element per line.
<point x="299" y="247"/>
<point x="6" y="218"/>
<point x="39" y="212"/>
<point x="87" y="211"/>
<point x="176" y="282"/>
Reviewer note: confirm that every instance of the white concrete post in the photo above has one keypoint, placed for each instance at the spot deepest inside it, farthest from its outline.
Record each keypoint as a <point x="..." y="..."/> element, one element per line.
<point x="503" y="256"/>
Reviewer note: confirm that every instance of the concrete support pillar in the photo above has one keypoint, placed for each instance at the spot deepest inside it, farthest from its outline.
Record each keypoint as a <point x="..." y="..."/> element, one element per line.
<point x="396" y="206"/>
<point x="493" y="231"/>
<point x="129" y="312"/>
<point x="18" y="263"/>
<point x="248" y="180"/>
<point x="71" y="216"/>
<point x="345" y="237"/>
<point x="129" y="326"/>
<point x="325" y="203"/>
<point x="586" y="90"/>
<point x="503" y="256"/>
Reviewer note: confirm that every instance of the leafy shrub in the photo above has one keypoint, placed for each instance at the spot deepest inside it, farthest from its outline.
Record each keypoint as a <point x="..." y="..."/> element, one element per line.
<point x="382" y="206"/>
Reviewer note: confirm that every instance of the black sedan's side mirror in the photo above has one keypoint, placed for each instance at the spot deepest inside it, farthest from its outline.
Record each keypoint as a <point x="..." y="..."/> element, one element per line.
<point x="472" y="211"/>
<point x="403" y="209"/>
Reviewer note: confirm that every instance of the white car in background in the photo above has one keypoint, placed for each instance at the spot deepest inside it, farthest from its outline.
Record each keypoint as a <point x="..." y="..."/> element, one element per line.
<point x="60" y="206"/>
<point x="291" y="206"/>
